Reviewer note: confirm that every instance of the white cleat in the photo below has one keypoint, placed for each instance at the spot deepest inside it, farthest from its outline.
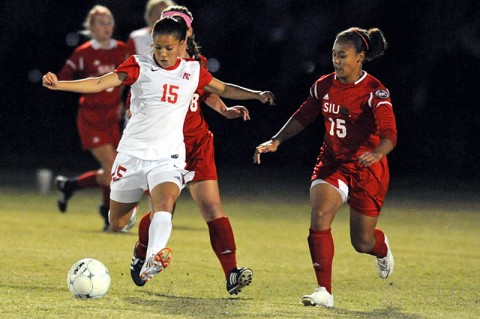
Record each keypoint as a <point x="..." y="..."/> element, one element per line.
<point x="320" y="297"/>
<point x="155" y="264"/>
<point x="385" y="264"/>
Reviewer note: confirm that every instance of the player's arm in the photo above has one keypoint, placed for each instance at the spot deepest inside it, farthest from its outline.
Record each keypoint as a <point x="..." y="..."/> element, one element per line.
<point x="387" y="130"/>
<point x="216" y="103"/>
<point x="369" y="158"/>
<point x="235" y="92"/>
<point x="87" y="85"/>
<point x="290" y="129"/>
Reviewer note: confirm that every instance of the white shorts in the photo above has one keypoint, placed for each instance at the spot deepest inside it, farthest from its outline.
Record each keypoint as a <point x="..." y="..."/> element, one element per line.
<point x="132" y="176"/>
<point x="342" y="188"/>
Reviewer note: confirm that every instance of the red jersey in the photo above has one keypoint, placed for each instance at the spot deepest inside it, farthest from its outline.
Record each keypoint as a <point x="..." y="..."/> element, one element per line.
<point x="91" y="60"/>
<point x="195" y="124"/>
<point x="356" y="115"/>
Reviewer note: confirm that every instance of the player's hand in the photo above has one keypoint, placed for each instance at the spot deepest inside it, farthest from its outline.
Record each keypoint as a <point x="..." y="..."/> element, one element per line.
<point x="369" y="158"/>
<point x="237" y="111"/>
<point x="50" y="81"/>
<point x="267" y="97"/>
<point x="128" y="114"/>
<point x="266" y="147"/>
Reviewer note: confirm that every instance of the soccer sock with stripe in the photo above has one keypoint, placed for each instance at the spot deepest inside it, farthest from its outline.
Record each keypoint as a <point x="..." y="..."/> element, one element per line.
<point x="322" y="251"/>
<point x="223" y="243"/>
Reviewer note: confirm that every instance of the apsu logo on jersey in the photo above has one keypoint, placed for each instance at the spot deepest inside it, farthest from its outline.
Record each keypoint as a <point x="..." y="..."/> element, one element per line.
<point x="382" y="94"/>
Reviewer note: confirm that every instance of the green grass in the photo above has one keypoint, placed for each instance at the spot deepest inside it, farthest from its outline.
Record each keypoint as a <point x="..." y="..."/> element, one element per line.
<point x="436" y="249"/>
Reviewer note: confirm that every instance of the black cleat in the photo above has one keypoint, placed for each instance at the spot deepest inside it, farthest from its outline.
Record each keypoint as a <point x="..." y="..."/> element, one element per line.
<point x="135" y="268"/>
<point x="237" y="279"/>
<point x="66" y="187"/>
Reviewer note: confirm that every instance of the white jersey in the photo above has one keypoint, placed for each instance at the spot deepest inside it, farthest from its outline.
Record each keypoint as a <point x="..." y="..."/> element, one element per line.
<point x="159" y="102"/>
<point x="142" y="41"/>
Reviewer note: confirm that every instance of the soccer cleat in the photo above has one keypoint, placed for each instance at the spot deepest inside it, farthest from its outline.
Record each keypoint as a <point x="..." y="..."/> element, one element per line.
<point x="320" y="297"/>
<point x="155" y="264"/>
<point x="237" y="279"/>
<point x="66" y="187"/>
<point x="385" y="264"/>
<point x="136" y="266"/>
<point x="103" y="211"/>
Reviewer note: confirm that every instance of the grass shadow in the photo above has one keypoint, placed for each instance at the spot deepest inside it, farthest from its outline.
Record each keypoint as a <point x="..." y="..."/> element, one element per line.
<point x="188" y="306"/>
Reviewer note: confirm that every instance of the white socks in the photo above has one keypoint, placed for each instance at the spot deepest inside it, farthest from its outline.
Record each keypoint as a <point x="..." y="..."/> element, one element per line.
<point x="159" y="232"/>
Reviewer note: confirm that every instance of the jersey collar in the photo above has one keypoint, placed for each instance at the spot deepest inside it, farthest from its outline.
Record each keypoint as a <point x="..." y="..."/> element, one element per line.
<point x="173" y="67"/>
<point x="364" y="75"/>
<point x="97" y="46"/>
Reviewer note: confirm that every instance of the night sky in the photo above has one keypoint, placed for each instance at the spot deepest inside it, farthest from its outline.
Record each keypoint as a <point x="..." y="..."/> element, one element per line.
<point x="431" y="69"/>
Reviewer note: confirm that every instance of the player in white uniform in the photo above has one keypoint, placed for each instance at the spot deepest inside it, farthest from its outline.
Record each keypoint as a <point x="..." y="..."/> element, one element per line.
<point x="151" y="153"/>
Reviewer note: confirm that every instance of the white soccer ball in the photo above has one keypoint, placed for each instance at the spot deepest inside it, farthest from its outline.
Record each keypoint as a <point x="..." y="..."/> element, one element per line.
<point x="88" y="278"/>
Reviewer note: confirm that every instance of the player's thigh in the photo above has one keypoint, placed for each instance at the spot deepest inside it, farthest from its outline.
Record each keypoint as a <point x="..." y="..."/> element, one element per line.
<point x="325" y="200"/>
<point x="207" y="196"/>
<point x="105" y="155"/>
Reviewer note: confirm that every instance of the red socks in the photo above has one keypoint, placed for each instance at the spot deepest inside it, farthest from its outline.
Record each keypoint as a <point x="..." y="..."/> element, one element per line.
<point x="223" y="243"/>
<point x="322" y="250"/>
<point x="380" y="250"/>
<point x="221" y="239"/>
<point x="143" y="228"/>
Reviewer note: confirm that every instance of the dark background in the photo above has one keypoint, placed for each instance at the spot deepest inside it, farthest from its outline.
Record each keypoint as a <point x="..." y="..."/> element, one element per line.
<point x="431" y="69"/>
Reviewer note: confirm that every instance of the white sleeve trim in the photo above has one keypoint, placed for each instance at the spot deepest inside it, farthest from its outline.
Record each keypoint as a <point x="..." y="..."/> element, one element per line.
<point x="381" y="103"/>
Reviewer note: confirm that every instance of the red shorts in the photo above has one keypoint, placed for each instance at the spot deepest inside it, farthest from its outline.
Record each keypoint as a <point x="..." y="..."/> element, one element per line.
<point x="95" y="135"/>
<point x="367" y="186"/>
<point x="201" y="157"/>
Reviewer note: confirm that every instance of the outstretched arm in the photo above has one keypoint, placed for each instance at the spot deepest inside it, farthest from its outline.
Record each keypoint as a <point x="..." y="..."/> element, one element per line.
<point x="88" y="85"/>
<point x="290" y="129"/>
<point x="216" y="103"/>
<point x="235" y="92"/>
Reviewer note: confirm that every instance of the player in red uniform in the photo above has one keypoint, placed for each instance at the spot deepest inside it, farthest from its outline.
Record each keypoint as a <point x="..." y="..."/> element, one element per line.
<point x="352" y="167"/>
<point x="98" y="115"/>
<point x="200" y="157"/>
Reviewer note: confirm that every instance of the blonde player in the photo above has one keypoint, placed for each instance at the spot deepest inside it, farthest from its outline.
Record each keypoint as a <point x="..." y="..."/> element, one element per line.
<point x="98" y="118"/>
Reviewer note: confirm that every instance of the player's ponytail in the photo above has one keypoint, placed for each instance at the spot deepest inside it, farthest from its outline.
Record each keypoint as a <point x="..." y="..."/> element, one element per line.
<point x="371" y="41"/>
<point x="378" y="44"/>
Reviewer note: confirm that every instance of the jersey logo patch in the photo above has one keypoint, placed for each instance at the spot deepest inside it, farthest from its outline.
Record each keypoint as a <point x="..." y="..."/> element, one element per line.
<point x="382" y="94"/>
<point x="325" y="97"/>
<point x="186" y="76"/>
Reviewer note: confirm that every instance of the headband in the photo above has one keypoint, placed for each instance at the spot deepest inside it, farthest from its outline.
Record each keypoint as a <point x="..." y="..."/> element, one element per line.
<point x="184" y="16"/>
<point x="361" y="36"/>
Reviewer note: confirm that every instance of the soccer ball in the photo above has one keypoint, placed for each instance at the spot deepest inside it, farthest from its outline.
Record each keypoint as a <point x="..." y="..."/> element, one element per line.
<point x="88" y="278"/>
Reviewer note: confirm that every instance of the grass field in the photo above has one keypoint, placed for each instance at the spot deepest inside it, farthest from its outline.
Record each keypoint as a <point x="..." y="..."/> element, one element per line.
<point x="435" y="244"/>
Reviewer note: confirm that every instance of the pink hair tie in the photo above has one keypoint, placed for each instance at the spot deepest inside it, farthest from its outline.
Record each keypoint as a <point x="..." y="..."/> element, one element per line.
<point x="185" y="17"/>
<point x="363" y="38"/>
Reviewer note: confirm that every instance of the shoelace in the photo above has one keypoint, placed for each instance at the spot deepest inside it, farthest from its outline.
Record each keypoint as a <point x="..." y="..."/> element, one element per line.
<point x="383" y="263"/>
